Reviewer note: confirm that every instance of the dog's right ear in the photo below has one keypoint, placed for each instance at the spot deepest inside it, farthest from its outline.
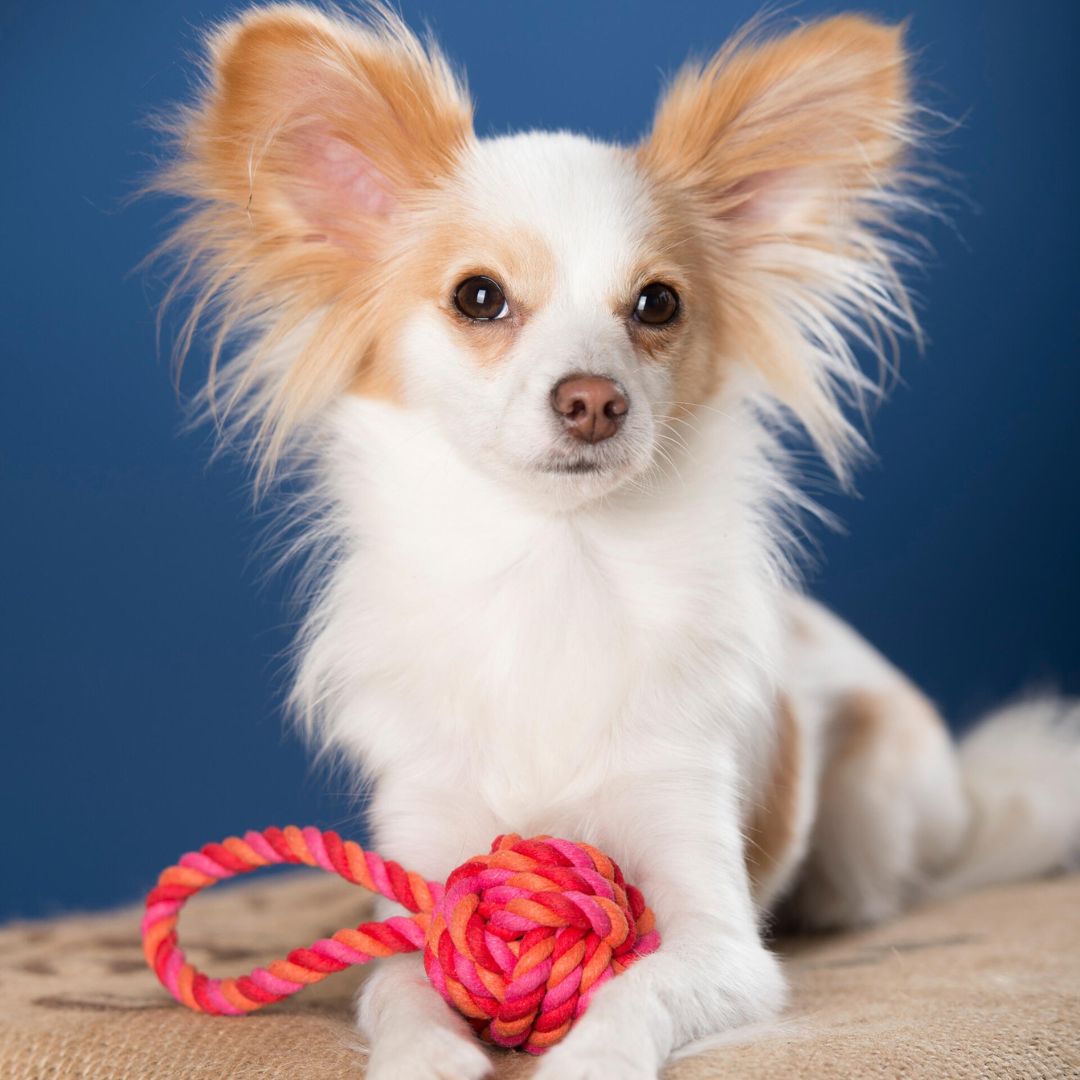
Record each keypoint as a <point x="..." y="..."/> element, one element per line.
<point x="315" y="130"/>
<point x="311" y="140"/>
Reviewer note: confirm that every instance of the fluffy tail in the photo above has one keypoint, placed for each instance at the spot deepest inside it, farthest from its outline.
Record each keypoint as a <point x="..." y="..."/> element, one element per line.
<point x="1021" y="768"/>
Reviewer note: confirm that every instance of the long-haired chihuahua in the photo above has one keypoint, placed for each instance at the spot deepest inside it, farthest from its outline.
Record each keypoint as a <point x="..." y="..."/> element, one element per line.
<point x="541" y="388"/>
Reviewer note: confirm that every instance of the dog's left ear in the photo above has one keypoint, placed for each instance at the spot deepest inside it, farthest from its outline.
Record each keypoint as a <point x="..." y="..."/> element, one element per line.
<point x="765" y="134"/>
<point x="788" y="154"/>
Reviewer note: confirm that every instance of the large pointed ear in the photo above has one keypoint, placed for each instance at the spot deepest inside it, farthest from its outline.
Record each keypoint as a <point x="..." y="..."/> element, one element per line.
<point x="313" y="137"/>
<point x="320" y="127"/>
<point x="791" y="154"/>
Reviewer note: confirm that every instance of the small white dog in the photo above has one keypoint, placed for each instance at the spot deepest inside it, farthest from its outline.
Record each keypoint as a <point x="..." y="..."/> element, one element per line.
<point x="540" y="382"/>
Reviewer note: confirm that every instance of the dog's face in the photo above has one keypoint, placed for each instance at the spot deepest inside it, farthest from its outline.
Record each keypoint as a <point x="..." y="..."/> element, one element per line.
<point x="553" y="304"/>
<point x="550" y="321"/>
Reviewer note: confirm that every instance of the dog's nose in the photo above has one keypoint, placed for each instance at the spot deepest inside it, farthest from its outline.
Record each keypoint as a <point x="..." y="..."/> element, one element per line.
<point x="591" y="406"/>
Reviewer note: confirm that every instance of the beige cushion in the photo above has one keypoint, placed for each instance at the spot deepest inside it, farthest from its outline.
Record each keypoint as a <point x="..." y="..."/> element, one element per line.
<point x="983" y="986"/>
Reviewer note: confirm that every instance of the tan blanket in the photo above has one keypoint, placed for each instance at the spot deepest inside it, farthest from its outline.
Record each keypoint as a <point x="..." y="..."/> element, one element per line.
<point x="984" y="986"/>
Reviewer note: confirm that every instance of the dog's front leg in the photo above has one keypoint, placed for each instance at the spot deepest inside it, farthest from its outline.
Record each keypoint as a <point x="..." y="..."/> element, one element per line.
<point x="412" y="1032"/>
<point x="678" y="839"/>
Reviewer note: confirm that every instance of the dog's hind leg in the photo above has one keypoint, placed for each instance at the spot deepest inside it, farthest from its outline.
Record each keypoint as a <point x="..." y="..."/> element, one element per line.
<point x="892" y="811"/>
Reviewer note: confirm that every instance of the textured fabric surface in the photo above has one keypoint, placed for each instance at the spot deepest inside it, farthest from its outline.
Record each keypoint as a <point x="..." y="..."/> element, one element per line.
<point x="984" y="986"/>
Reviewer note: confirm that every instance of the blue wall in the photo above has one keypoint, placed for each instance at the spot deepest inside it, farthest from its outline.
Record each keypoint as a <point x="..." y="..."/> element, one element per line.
<point x="139" y="649"/>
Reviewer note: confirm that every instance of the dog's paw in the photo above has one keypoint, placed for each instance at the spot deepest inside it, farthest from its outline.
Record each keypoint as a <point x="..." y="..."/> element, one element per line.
<point x="435" y="1054"/>
<point x="602" y="1067"/>
<point x="595" y="1059"/>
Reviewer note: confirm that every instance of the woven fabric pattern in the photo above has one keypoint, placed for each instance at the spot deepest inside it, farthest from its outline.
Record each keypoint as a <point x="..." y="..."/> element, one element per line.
<point x="981" y="987"/>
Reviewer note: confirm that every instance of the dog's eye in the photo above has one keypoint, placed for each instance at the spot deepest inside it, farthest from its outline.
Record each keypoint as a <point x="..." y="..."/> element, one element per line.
<point x="657" y="304"/>
<point x="481" y="298"/>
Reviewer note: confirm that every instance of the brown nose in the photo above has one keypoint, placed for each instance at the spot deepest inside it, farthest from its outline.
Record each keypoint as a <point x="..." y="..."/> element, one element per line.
<point x="591" y="406"/>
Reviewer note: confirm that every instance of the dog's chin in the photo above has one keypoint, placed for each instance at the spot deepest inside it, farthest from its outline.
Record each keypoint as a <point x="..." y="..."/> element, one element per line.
<point x="567" y="480"/>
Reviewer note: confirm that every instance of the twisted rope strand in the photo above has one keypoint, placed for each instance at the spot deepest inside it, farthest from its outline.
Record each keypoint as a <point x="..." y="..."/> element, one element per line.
<point x="518" y="940"/>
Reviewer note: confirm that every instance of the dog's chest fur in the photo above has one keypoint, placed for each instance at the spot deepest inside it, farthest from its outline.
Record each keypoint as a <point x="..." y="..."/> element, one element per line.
<point x="534" y="656"/>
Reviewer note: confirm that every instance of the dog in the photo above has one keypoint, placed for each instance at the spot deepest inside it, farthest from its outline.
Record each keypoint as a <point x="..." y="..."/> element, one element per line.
<point x="539" y="390"/>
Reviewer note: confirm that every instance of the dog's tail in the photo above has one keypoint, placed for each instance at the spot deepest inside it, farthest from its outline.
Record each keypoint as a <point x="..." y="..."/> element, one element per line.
<point x="1021" y="769"/>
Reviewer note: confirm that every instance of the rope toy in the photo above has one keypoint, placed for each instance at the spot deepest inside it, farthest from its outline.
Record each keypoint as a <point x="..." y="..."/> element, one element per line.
<point x="517" y="940"/>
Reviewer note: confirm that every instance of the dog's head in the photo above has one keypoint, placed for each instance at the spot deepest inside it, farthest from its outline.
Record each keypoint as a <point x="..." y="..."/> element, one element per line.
<point x="554" y="304"/>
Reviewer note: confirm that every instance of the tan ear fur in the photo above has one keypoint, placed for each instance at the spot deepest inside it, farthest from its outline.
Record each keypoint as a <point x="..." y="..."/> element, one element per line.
<point x="312" y="132"/>
<point x="790" y="153"/>
<point x="831" y="95"/>
<point x="288" y="78"/>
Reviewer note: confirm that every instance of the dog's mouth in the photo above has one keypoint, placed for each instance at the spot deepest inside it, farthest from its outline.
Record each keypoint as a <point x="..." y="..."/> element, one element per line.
<point x="587" y="468"/>
<point x="571" y="468"/>
<point x="607" y="462"/>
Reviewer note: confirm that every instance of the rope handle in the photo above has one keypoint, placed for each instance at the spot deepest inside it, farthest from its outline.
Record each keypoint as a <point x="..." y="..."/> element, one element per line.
<point x="198" y="870"/>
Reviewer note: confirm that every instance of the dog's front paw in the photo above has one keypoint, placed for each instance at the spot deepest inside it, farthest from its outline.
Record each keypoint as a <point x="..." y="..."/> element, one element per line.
<point x="595" y="1052"/>
<point x="602" y="1066"/>
<point x="437" y="1053"/>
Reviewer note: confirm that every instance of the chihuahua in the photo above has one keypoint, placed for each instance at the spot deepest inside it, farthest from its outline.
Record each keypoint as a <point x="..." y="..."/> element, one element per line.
<point x="540" y="391"/>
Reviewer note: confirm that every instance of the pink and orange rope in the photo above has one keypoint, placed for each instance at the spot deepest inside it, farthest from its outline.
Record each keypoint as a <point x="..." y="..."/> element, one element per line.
<point x="517" y="940"/>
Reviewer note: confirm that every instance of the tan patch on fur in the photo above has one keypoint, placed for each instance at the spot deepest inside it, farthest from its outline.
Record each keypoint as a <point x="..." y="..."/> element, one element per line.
<point x="864" y="718"/>
<point x="377" y="379"/>
<point x="679" y="256"/>
<point x="801" y="629"/>
<point x="663" y="344"/>
<point x="457" y="247"/>
<point x="859" y="721"/>
<point x="773" y="825"/>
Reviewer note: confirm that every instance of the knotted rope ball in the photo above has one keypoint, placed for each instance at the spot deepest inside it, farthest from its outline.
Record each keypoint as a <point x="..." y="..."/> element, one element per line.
<point x="517" y="940"/>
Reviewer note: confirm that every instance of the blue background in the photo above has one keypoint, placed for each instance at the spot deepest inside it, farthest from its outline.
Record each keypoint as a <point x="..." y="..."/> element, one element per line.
<point x="140" y="652"/>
